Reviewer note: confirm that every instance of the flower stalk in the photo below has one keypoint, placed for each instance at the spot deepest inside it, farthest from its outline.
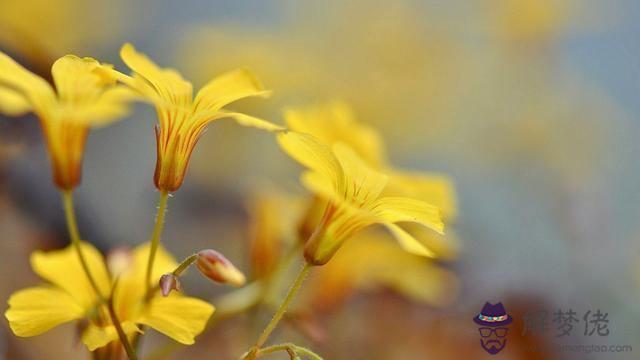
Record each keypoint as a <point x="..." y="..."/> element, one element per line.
<point x="155" y="238"/>
<point x="282" y="309"/>
<point x="74" y="233"/>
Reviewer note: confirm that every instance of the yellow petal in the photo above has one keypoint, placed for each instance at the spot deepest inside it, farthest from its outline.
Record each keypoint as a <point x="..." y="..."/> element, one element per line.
<point x="63" y="268"/>
<point x="363" y="184"/>
<point x="369" y="262"/>
<point x="227" y="88"/>
<point x="34" y="88"/>
<point x="445" y="247"/>
<point x="335" y="122"/>
<point x="35" y="310"/>
<point x="313" y="154"/>
<point x="409" y="243"/>
<point x="98" y="336"/>
<point x="399" y="209"/>
<point x="12" y="103"/>
<point x="77" y="79"/>
<point x="250" y="121"/>
<point x="180" y="318"/>
<point x="112" y="104"/>
<point x="432" y="188"/>
<point x="131" y="290"/>
<point x="166" y="84"/>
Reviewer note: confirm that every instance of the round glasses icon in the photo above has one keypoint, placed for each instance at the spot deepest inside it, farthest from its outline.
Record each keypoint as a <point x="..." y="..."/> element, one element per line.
<point x="499" y="332"/>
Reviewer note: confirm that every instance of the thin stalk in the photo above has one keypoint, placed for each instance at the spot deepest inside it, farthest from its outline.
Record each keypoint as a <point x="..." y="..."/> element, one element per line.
<point x="297" y="284"/>
<point x="155" y="238"/>
<point x="74" y="233"/>
<point x="290" y="347"/>
<point x="121" y="334"/>
<point x="72" y="226"/>
<point x="184" y="265"/>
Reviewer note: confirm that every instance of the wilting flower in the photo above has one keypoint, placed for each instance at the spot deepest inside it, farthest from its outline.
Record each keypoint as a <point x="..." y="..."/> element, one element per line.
<point x="68" y="296"/>
<point x="182" y="118"/>
<point x="85" y="95"/>
<point x="354" y="192"/>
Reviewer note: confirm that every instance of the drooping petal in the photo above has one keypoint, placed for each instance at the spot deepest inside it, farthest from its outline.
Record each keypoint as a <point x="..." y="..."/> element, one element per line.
<point x="432" y="188"/>
<point x="245" y="120"/>
<point x="399" y="209"/>
<point x="180" y="318"/>
<point x="166" y="83"/>
<point x="445" y="247"/>
<point x="98" y="336"/>
<point x="63" y="268"/>
<point x="363" y="184"/>
<point x="13" y="103"/>
<point x="312" y="153"/>
<point x="35" y="310"/>
<point x="34" y="88"/>
<point x="227" y="88"/>
<point x="408" y="242"/>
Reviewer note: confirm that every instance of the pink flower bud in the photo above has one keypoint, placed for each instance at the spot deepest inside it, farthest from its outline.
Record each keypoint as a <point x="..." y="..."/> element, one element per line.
<point x="216" y="267"/>
<point x="169" y="282"/>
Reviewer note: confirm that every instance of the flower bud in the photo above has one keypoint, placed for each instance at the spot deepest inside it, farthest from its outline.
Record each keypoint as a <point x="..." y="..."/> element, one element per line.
<point x="216" y="267"/>
<point x="169" y="282"/>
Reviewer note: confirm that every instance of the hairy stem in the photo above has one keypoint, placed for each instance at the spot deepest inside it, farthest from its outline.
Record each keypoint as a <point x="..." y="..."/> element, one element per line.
<point x="155" y="238"/>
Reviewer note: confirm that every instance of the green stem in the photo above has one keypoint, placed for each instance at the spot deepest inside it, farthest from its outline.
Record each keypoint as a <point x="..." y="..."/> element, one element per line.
<point x="155" y="238"/>
<point x="72" y="226"/>
<point x="297" y="284"/>
<point x="185" y="264"/>
<point x="121" y="334"/>
<point x="74" y="233"/>
<point x="290" y="347"/>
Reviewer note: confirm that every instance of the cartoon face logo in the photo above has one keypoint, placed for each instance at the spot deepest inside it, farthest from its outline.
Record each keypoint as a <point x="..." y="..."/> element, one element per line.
<point x="493" y="321"/>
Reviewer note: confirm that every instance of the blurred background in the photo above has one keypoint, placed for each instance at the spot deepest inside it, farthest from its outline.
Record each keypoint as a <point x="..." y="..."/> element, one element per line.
<point x="529" y="106"/>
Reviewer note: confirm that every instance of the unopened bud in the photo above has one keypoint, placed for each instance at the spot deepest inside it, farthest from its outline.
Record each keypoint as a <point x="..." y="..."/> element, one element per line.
<point x="216" y="267"/>
<point x="169" y="282"/>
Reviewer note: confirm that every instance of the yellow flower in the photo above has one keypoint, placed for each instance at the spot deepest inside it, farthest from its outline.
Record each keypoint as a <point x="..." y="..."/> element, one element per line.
<point x="181" y="118"/>
<point x="334" y="122"/>
<point x="370" y="262"/>
<point x="354" y="194"/>
<point x="85" y="95"/>
<point x="69" y="296"/>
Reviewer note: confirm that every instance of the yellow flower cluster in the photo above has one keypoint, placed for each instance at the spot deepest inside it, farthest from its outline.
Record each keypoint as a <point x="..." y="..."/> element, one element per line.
<point x="353" y="184"/>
